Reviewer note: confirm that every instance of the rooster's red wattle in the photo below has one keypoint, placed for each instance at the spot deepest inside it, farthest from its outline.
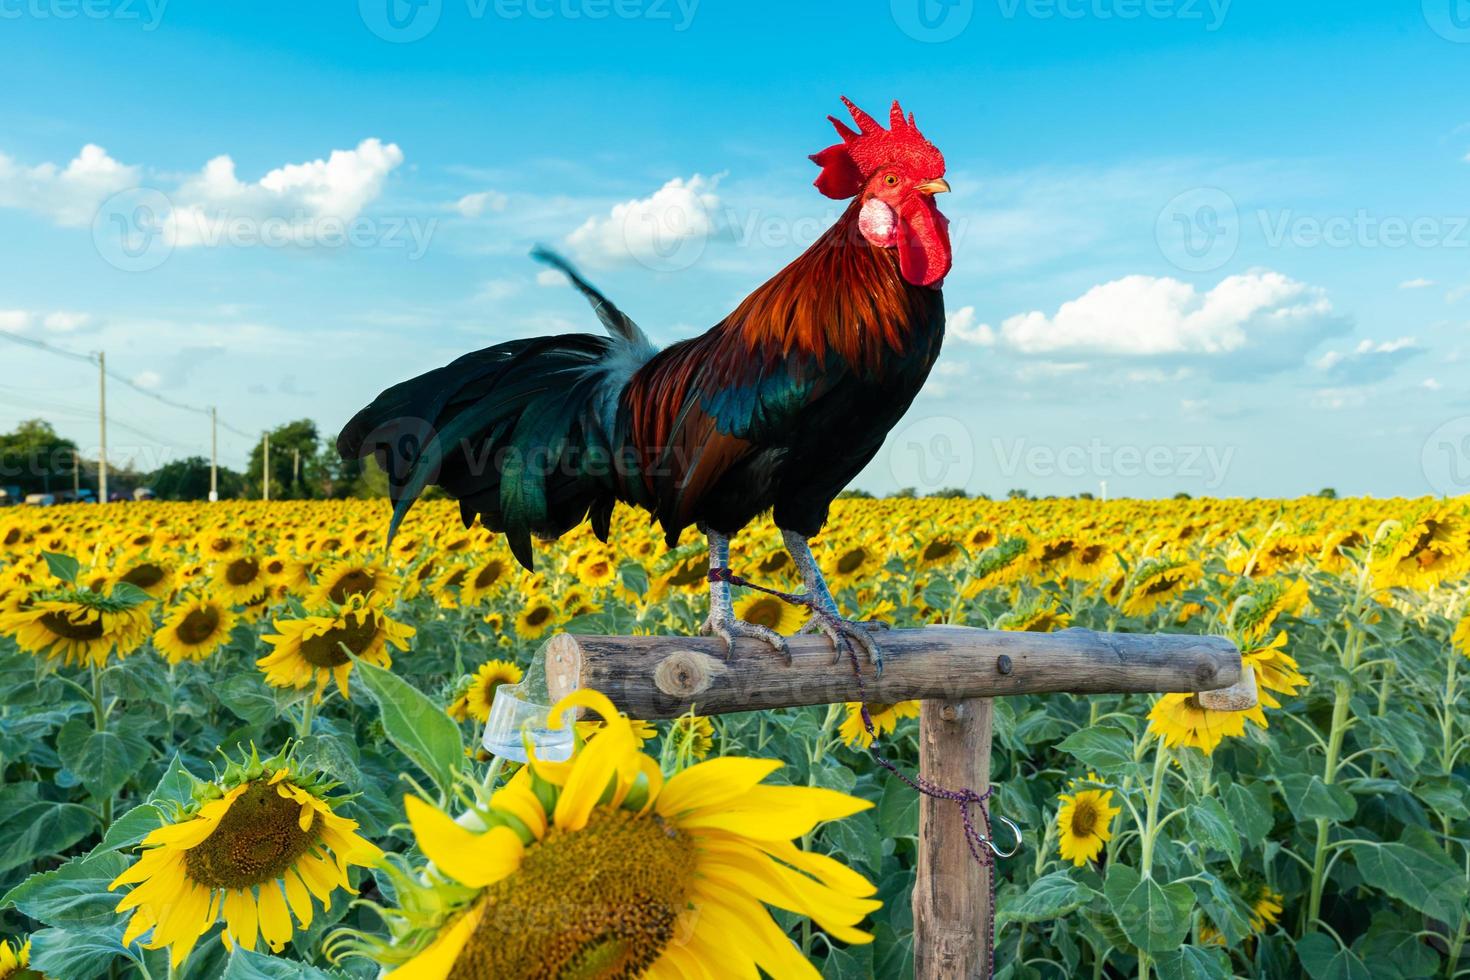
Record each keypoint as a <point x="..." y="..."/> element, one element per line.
<point x="777" y="407"/>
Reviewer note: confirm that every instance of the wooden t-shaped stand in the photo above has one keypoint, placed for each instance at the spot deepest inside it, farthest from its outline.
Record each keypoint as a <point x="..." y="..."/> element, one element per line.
<point x="954" y="671"/>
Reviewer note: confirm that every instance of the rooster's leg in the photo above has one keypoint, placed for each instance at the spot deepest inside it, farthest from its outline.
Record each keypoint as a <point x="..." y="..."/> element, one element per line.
<point x="722" y="621"/>
<point x="825" y="617"/>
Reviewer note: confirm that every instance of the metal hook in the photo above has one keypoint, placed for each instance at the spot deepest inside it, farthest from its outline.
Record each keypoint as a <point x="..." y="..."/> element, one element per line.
<point x="1014" y="830"/>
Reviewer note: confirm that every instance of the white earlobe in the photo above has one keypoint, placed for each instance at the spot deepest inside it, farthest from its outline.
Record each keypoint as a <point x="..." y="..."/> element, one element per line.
<point x="878" y="223"/>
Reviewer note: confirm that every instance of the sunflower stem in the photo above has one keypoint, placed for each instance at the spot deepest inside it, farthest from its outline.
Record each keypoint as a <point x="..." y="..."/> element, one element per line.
<point x="308" y="715"/>
<point x="99" y="721"/>
<point x="1150" y="832"/>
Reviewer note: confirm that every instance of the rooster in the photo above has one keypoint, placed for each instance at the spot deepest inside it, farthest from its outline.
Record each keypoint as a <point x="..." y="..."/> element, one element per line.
<point x="777" y="407"/>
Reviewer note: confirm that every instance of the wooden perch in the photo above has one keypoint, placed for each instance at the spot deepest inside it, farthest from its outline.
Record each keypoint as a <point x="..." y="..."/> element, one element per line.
<point x="665" y="676"/>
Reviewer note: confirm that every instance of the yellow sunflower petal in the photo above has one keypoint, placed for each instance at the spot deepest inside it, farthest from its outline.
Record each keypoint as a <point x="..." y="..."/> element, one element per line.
<point x="435" y="962"/>
<point x="475" y="860"/>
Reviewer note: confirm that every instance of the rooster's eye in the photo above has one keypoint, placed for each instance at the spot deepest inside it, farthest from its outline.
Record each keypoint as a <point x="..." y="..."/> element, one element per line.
<point x="891" y="180"/>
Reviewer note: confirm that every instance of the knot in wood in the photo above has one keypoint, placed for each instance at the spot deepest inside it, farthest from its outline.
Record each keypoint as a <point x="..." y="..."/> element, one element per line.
<point x="685" y="673"/>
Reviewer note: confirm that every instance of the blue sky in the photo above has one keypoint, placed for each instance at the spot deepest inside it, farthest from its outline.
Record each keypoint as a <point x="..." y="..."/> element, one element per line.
<point x="1218" y="247"/>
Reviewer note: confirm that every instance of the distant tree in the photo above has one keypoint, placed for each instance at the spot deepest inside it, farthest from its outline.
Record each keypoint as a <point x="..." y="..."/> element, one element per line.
<point x="188" y="479"/>
<point x="950" y="493"/>
<point x="1327" y="493"/>
<point x="37" y="460"/>
<point x="296" y="464"/>
<point x="1181" y="495"/>
<point x="854" y="493"/>
<point x="1018" y="494"/>
<point x="907" y="493"/>
<point x="1086" y="495"/>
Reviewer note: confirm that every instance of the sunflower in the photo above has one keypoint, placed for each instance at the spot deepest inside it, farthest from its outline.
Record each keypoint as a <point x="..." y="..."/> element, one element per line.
<point x="1275" y="672"/>
<point x="153" y="576"/>
<point x="598" y="867"/>
<point x="1158" y="581"/>
<point x="690" y="736"/>
<point x="595" y="569"/>
<point x="239" y="579"/>
<point x="1085" y="824"/>
<point x="317" y="647"/>
<point x="1037" y="615"/>
<point x="254" y="854"/>
<point x="480" y="693"/>
<point x="1266" y="909"/>
<point x="853" y="562"/>
<point x="15" y="962"/>
<point x="1179" y="719"/>
<point x="1260" y="602"/>
<point x="1461" y="637"/>
<point x="1432" y="549"/>
<point x="78" y="627"/>
<point x="281" y="570"/>
<point x="939" y="550"/>
<point x="219" y="545"/>
<point x="484" y="580"/>
<point x="769" y="611"/>
<point x="339" y="581"/>
<point x="534" y="620"/>
<point x="194" y="629"/>
<point x="885" y="719"/>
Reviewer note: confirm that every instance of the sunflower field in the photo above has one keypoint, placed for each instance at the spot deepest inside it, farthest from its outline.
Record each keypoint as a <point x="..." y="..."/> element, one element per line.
<point x="242" y="740"/>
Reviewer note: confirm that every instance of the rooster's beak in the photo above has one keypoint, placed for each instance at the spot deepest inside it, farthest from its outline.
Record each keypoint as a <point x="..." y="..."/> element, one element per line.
<point x="933" y="187"/>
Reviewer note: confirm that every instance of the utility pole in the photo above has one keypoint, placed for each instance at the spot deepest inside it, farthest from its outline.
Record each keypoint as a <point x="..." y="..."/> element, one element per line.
<point x="296" y="471"/>
<point x="265" y="468"/>
<point x="213" y="455"/>
<point x="102" y="413"/>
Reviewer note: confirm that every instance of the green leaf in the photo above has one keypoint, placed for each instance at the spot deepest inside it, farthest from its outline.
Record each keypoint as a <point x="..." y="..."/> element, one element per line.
<point x="1323" y="959"/>
<point x="417" y="726"/>
<point x="1250" y="809"/>
<point x="1445" y="795"/>
<point x="1210" y="824"/>
<point x="898" y="810"/>
<point x="64" y="567"/>
<point x="247" y="965"/>
<point x="76" y="892"/>
<point x="1193" y="963"/>
<point x="247" y="696"/>
<point x="131" y="828"/>
<point x="77" y="951"/>
<point x="129" y="594"/>
<point x="1309" y="798"/>
<point x="856" y="838"/>
<point x="1223" y="905"/>
<point x="1154" y="917"/>
<point x="1049" y="897"/>
<point x="41" y="829"/>
<point x="1105" y="748"/>
<point x="103" y="761"/>
<point x="176" y="785"/>
<point x="1416" y="873"/>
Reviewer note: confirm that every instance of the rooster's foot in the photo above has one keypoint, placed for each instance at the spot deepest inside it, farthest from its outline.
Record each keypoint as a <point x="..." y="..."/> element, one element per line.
<point x="844" y="631"/>
<point x="731" y="628"/>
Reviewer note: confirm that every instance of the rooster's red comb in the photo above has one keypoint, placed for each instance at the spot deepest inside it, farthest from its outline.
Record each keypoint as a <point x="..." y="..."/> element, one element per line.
<point x="846" y="166"/>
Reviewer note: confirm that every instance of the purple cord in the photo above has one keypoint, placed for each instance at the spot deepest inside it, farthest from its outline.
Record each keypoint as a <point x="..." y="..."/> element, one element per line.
<point x="965" y="797"/>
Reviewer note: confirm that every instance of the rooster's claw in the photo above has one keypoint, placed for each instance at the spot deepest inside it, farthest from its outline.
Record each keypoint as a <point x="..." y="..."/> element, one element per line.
<point x="844" y="631"/>
<point x="731" y="629"/>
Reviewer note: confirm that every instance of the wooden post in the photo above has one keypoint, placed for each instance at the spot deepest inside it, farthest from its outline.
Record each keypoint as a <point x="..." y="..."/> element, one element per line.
<point x="951" y="891"/>
<point x="955" y="671"/>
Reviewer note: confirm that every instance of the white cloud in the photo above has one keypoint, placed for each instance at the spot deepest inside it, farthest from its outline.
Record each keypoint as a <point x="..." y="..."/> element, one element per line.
<point x="474" y="205"/>
<point x="147" y="379"/>
<point x="292" y="200"/>
<point x="666" y="230"/>
<point x="1146" y="315"/>
<point x="67" y="195"/>
<point x="1430" y="384"/>
<point x="551" y="277"/>
<point x="961" y="325"/>
<point x="1416" y="284"/>
<point x="1367" y="362"/>
<point x="495" y="290"/>
<point x="63" y="321"/>
<point x="14" y="321"/>
<point x="1337" y="399"/>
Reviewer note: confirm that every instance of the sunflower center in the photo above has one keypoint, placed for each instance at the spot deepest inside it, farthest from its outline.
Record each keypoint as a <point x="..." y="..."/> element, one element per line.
<point x="144" y="576"/>
<point x="242" y="571"/>
<point x="199" y="625"/>
<point x="356" y="633"/>
<point x="851" y="561"/>
<point x="257" y="840"/>
<point x="691" y="572"/>
<point x="489" y="575"/>
<point x="763" y="612"/>
<point x="594" y="904"/>
<point x="63" y="626"/>
<point x="12" y="536"/>
<point x="938" y="550"/>
<point x="356" y="582"/>
<point x="1084" y="819"/>
<point x="538" y="615"/>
